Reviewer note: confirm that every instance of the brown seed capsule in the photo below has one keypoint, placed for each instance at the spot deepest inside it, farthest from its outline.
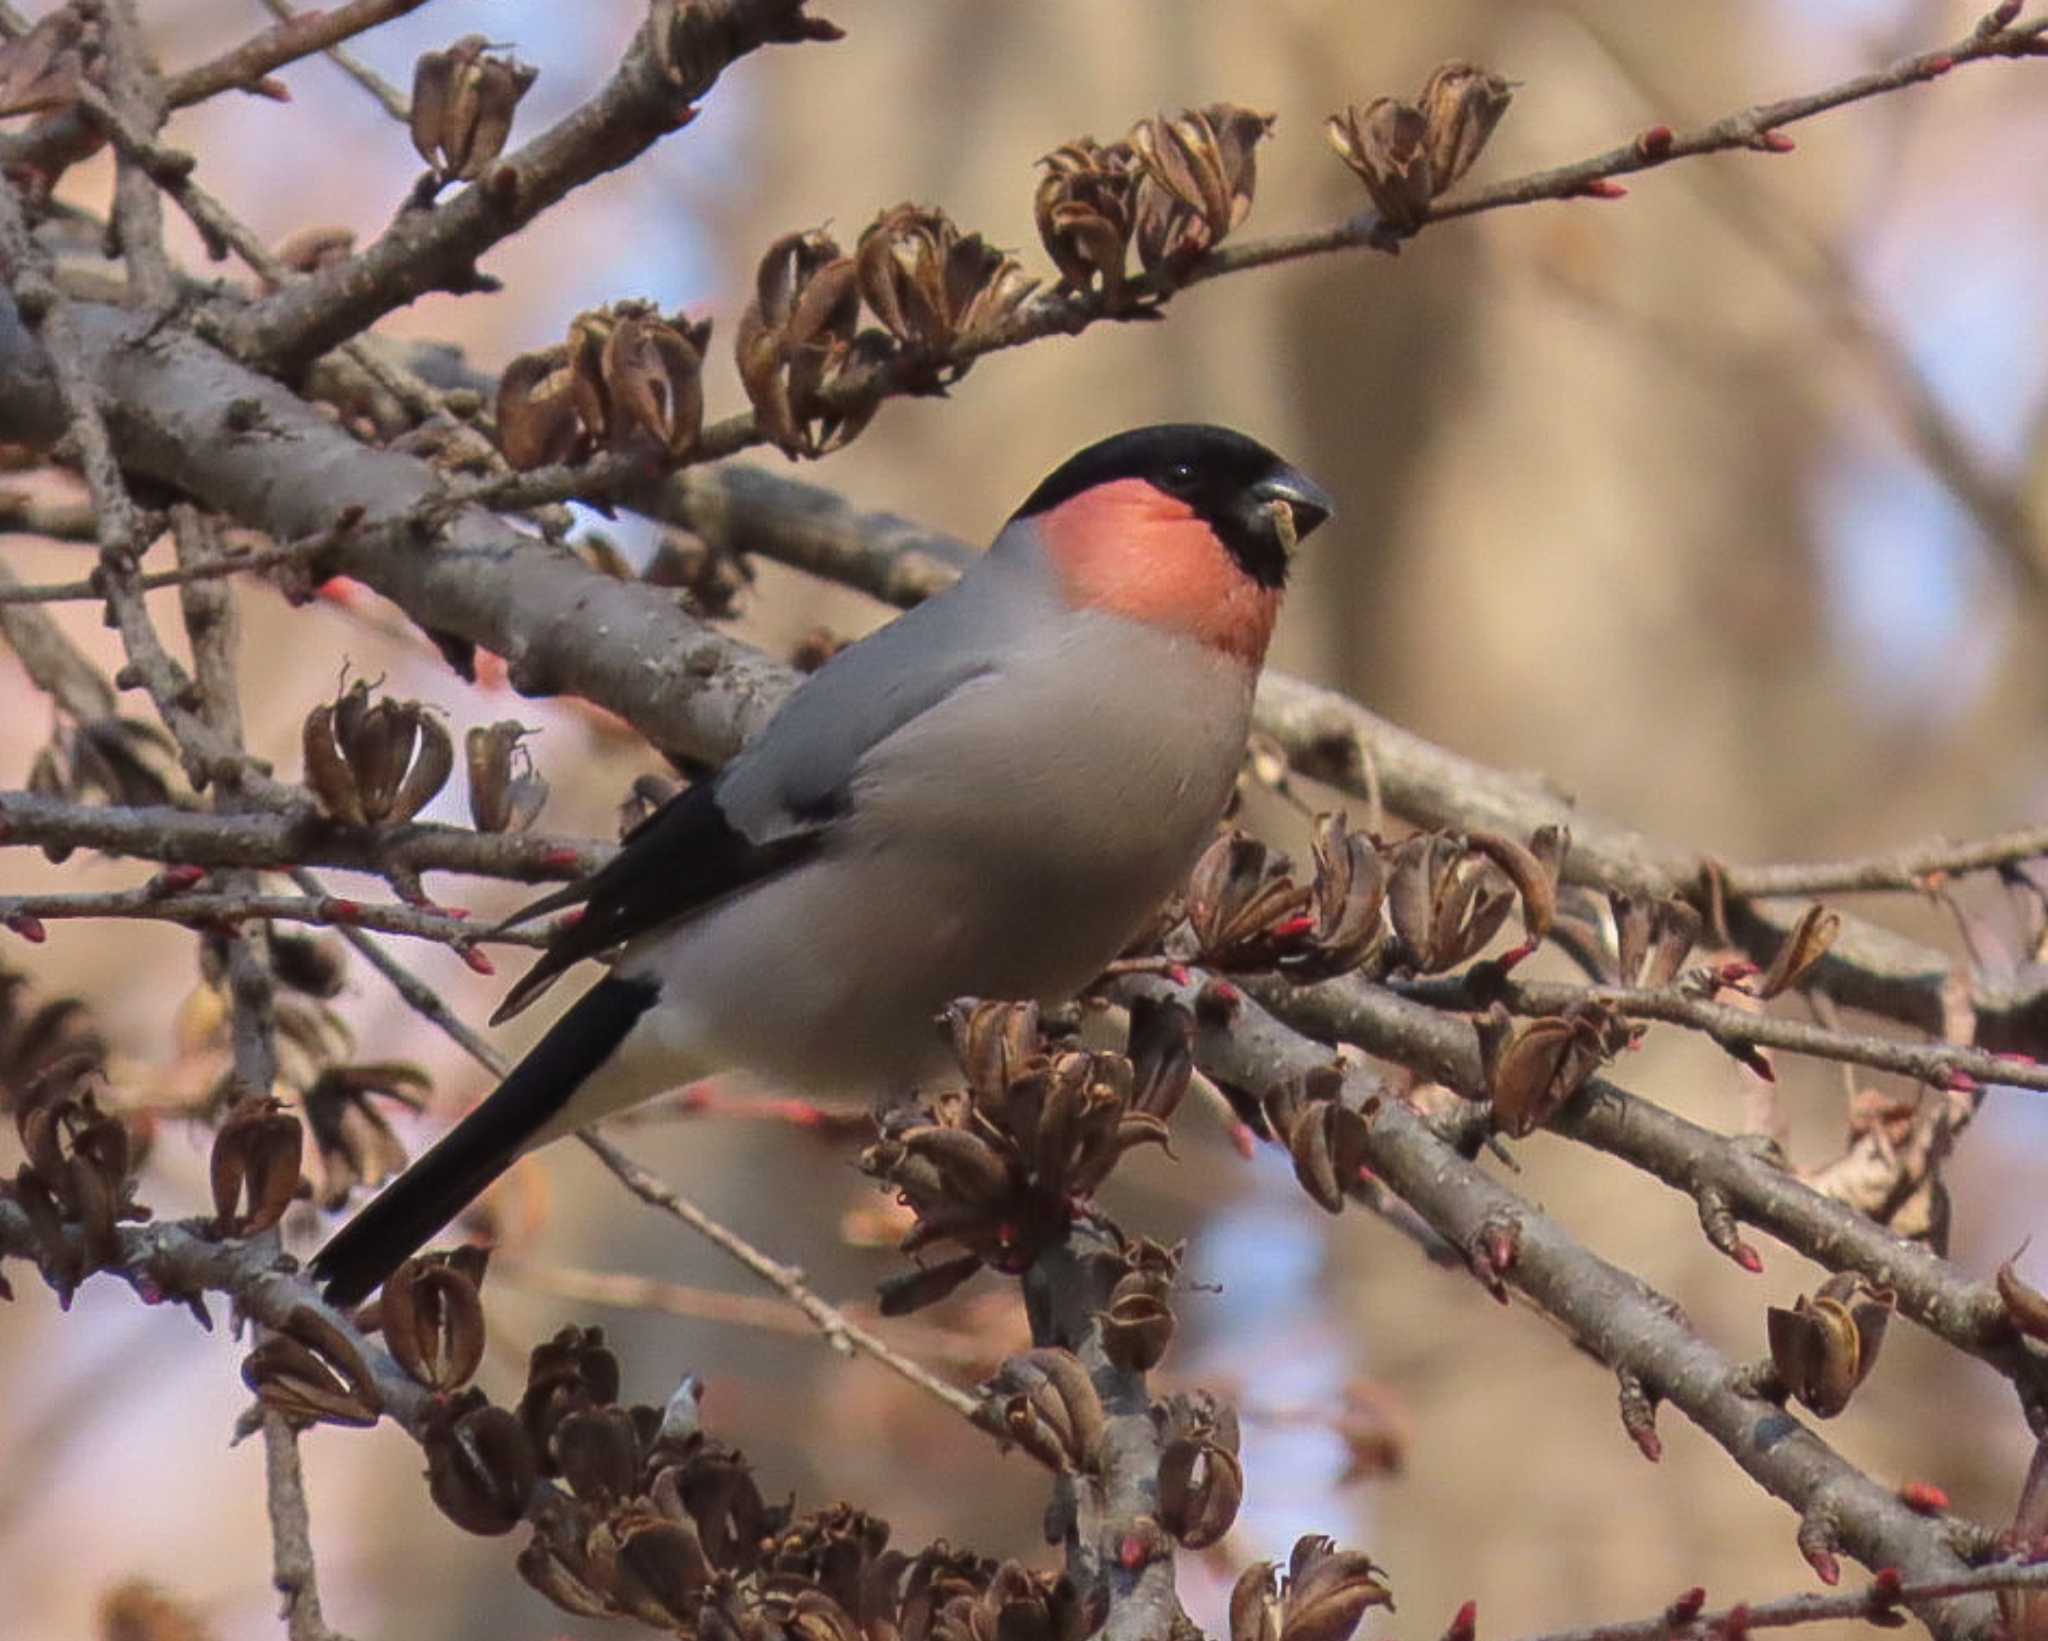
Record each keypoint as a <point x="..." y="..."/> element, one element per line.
<point x="1386" y="145"/>
<point x="536" y="412"/>
<point x="433" y="1322"/>
<point x="1328" y="1591"/>
<point x="505" y="792"/>
<point x="481" y="1470"/>
<point x="933" y="287"/>
<point x="462" y="106"/>
<point x="312" y="1372"/>
<point x="1461" y="104"/>
<point x="1085" y="208"/>
<point x="796" y="339"/>
<point x="1348" y="904"/>
<point x="1199" y="177"/>
<point x="355" y="1144"/>
<point x="1824" y="1347"/>
<point x="371" y="763"/>
<point x="597" y="1452"/>
<point x="1805" y="946"/>
<point x="254" y="1166"/>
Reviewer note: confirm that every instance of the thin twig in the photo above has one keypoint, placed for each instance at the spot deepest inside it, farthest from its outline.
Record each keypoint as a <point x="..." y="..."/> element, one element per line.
<point x="297" y="836"/>
<point x="66" y="592"/>
<point x="1875" y="1601"/>
<point x="395" y="102"/>
<point x="646" y="1293"/>
<point x="1946" y="1065"/>
<point x="841" y="1332"/>
<point x="292" y="1568"/>
<point x="164" y="903"/>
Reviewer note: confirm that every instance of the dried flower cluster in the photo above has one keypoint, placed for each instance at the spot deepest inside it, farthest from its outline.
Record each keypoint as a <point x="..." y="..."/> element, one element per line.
<point x="641" y="1513"/>
<point x="935" y="288"/>
<point x="628" y="380"/>
<point x="1420" y="906"/>
<point x="1321" y="1597"/>
<point x="371" y="764"/>
<point x="77" y="1174"/>
<point x="1408" y="153"/>
<point x="1176" y="187"/>
<point x="463" y="100"/>
<point x="1201" y="1478"/>
<point x="1000" y="1166"/>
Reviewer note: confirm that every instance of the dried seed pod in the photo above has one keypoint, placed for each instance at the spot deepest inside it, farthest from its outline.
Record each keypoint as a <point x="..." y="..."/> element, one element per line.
<point x="1045" y="1401"/>
<point x="481" y="1471"/>
<point x="1347" y="904"/>
<point x="536" y="412"/>
<point x="1533" y="869"/>
<point x="355" y="1144"/>
<point x="933" y="287"/>
<point x="1161" y="1049"/>
<point x="506" y="794"/>
<point x="552" y="1577"/>
<point x="1327" y="1141"/>
<point x="597" y="1452"/>
<point x="1386" y="143"/>
<point x="1532" y="1069"/>
<point x="1242" y="908"/>
<point x="462" y="106"/>
<point x="312" y="1372"/>
<point x="1085" y="207"/>
<point x="795" y="341"/>
<point x="254" y="1166"/>
<point x="433" y="1322"/>
<point x="370" y="764"/>
<point x="1139" y="1325"/>
<point x="1461" y="104"/>
<point x="652" y="370"/>
<point x="1447" y="902"/>
<point x="1824" y="1347"/>
<point x="565" y="1374"/>
<point x="1201" y="1481"/>
<point x="1805" y="946"/>
<point x="1328" y="1591"/>
<point x="1199" y="177"/>
<point x="1652" y="939"/>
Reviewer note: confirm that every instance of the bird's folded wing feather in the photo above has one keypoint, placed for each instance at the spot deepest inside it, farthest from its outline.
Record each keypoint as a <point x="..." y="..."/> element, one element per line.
<point x="778" y="803"/>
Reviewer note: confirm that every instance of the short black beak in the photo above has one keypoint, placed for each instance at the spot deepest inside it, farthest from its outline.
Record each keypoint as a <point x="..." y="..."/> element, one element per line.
<point x="1307" y="502"/>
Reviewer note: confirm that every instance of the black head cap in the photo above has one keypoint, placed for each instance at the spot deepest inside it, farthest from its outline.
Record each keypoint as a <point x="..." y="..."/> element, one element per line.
<point x="1229" y="480"/>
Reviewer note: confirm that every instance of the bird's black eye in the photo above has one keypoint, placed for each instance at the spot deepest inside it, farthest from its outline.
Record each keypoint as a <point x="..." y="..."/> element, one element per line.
<point x="1179" y="478"/>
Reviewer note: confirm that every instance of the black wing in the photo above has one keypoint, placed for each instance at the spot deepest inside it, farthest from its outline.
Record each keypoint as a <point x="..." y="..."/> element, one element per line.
<point x="679" y="860"/>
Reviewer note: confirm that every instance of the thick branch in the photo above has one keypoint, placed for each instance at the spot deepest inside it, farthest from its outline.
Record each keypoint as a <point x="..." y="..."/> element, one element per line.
<point x="1611" y="1313"/>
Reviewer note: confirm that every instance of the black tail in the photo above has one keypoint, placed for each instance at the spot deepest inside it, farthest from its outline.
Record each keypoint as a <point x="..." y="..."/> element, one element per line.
<point x="483" y="1145"/>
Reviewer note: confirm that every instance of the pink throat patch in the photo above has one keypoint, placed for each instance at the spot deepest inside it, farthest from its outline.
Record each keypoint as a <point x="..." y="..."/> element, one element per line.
<point x="1131" y="549"/>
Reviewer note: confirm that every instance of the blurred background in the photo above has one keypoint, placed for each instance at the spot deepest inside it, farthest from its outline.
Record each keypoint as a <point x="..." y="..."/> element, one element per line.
<point x="1679" y="500"/>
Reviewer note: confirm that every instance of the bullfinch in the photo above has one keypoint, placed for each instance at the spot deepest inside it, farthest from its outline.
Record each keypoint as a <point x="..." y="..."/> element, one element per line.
<point x="987" y="797"/>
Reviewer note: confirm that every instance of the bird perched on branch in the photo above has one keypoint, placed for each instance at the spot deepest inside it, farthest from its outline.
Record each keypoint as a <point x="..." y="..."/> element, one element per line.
<point x="987" y="797"/>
